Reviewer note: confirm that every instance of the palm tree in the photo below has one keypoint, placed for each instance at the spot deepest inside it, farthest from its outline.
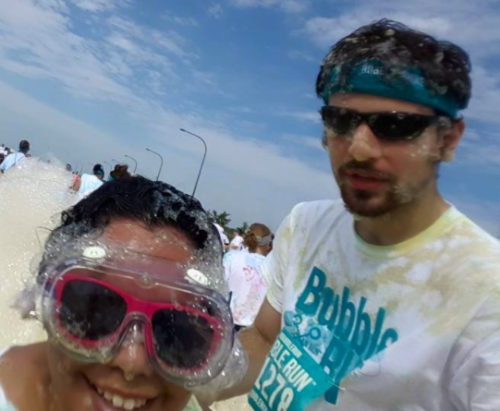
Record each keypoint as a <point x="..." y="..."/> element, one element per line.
<point x="244" y="227"/>
<point x="223" y="219"/>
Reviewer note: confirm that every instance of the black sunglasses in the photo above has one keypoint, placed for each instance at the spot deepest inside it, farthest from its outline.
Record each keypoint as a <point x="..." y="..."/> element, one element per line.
<point x="388" y="125"/>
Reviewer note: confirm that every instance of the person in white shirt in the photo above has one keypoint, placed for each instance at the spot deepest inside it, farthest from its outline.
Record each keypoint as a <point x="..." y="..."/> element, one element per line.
<point x="242" y="271"/>
<point x="222" y="235"/>
<point x="89" y="182"/>
<point x="390" y="298"/>
<point x="237" y="241"/>
<point x="16" y="158"/>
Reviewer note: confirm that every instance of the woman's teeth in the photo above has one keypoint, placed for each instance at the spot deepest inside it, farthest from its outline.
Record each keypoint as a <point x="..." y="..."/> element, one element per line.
<point x="121" y="402"/>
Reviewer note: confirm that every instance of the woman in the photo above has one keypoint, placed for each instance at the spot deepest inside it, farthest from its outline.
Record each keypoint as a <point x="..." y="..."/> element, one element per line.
<point x="131" y="295"/>
<point x="244" y="277"/>
<point x="88" y="183"/>
<point x="120" y="171"/>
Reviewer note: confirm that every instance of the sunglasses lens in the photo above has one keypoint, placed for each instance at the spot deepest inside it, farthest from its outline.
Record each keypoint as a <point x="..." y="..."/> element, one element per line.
<point x="182" y="339"/>
<point x="340" y="120"/>
<point x="394" y="126"/>
<point x="90" y="311"/>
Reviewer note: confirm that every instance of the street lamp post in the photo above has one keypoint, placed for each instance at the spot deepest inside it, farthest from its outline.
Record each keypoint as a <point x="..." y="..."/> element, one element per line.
<point x="161" y="164"/>
<point x="135" y="161"/>
<point x="202" y="161"/>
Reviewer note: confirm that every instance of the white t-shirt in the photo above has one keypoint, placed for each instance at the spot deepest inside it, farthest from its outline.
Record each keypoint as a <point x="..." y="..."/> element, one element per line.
<point x="410" y="327"/>
<point x="237" y="242"/>
<point x="222" y="234"/>
<point x="242" y="271"/>
<point x="11" y="160"/>
<point x="89" y="183"/>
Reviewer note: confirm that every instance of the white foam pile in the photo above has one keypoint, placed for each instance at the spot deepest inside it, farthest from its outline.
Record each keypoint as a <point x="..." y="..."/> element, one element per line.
<point x="32" y="195"/>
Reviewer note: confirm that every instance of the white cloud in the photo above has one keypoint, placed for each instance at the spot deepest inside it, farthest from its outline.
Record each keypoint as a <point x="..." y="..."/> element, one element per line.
<point x="472" y="135"/>
<point x="485" y="94"/>
<point x="99" y="5"/>
<point x="38" y="40"/>
<point x="168" y="41"/>
<point x="300" y="55"/>
<point x="181" y="21"/>
<point x="304" y="141"/>
<point x="311" y="116"/>
<point x="242" y="110"/>
<point x="289" y="6"/>
<point x="215" y="10"/>
<point x="484" y="155"/>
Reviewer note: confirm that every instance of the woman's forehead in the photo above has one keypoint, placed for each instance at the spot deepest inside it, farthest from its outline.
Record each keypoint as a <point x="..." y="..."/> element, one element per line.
<point x="160" y="242"/>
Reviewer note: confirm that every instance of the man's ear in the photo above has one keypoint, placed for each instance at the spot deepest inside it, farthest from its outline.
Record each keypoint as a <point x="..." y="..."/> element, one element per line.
<point x="451" y="140"/>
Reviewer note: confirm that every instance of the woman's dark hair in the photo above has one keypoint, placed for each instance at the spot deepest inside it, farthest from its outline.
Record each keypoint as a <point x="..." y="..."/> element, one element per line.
<point x="98" y="170"/>
<point x="256" y="232"/>
<point x="152" y="202"/>
<point x="445" y="66"/>
<point x="120" y="171"/>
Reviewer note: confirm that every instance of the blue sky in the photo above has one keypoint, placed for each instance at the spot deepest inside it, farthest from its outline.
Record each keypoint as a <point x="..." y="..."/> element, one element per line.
<point x="92" y="80"/>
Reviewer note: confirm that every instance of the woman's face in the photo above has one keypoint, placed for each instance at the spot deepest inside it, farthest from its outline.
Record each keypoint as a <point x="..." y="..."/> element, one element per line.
<point x="129" y="381"/>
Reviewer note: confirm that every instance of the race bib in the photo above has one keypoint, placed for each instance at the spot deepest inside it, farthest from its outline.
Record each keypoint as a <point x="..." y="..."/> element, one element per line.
<point x="290" y="379"/>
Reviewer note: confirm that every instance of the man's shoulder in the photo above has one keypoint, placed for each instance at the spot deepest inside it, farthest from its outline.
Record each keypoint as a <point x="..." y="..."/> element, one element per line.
<point x="467" y="233"/>
<point x="474" y="249"/>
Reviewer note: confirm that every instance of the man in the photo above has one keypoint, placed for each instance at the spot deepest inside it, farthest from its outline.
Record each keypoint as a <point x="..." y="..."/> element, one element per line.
<point x="89" y="183"/>
<point x="16" y="158"/>
<point x="390" y="299"/>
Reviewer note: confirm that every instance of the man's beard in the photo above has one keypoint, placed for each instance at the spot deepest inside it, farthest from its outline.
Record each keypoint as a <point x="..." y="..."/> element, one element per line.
<point x="377" y="203"/>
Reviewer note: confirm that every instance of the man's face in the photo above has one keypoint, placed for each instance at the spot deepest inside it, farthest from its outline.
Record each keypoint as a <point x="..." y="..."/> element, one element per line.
<point x="376" y="176"/>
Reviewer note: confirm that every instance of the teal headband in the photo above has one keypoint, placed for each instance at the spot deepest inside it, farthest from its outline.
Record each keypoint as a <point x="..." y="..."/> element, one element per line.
<point x="369" y="78"/>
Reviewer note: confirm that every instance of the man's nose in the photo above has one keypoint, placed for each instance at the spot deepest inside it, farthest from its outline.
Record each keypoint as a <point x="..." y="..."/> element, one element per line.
<point x="365" y="145"/>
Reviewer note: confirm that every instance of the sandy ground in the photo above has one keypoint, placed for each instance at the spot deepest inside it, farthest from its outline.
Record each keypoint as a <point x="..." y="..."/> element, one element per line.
<point x="234" y="404"/>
